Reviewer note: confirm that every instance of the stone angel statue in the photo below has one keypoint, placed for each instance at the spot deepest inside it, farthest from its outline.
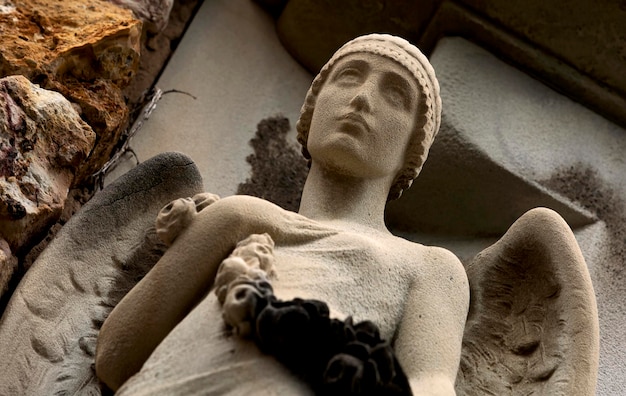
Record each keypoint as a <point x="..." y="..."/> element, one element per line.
<point x="243" y="297"/>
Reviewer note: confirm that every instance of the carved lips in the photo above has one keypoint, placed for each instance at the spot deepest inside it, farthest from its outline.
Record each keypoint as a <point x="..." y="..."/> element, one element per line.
<point x="355" y="120"/>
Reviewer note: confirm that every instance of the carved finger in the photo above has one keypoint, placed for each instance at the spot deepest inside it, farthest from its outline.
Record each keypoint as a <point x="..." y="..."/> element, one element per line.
<point x="174" y="218"/>
<point x="203" y="200"/>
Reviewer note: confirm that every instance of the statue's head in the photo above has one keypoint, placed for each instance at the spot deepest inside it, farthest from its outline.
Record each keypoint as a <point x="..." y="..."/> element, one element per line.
<point x="426" y="108"/>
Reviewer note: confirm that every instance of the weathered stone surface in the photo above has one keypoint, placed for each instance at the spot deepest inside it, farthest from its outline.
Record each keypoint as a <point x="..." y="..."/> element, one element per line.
<point x="87" y="50"/>
<point x="278" y="82"/>
<point x="278" y="168"/>
<point x="588" y="35"/>
<point x="42" y="142"/>
<point x="103" y="107"/>
<point x="49" y="329"/>
<point x="157" y="49"/>
<point x="79" y="38"/>
<point x="8" y="264"/>
<point x="154" y="13"/>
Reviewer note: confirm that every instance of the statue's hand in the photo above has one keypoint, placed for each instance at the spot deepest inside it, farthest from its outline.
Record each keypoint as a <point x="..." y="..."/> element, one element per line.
<point x="178" y="214"/>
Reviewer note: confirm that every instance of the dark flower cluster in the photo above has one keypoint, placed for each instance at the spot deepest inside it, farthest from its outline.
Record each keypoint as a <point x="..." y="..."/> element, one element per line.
<point x="335" y="357"/>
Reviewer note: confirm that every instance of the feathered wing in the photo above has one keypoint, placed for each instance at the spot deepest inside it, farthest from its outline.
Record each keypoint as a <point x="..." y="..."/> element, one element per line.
<point x="532" y="327"/>
<point x="49" y="329"/>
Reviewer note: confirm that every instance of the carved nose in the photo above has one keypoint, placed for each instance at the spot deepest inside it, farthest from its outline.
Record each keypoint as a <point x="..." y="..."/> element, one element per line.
<point x="361" y="101"/>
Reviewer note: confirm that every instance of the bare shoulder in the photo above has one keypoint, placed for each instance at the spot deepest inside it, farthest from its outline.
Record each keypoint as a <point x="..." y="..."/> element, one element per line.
<point x="438" y="264"/>
<point x="442" y="258"/>
<point x="445" y="264"/>
<point x="433" y="256"/>
<point x="448" y="275"/>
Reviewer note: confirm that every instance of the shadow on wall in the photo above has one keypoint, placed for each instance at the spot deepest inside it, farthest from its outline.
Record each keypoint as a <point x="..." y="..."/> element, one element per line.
<point x="463" y="192"/>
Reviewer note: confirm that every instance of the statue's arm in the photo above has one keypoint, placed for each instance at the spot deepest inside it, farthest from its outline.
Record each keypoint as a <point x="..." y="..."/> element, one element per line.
<point x="184" y="274"/>
<point x="429" y="338"/>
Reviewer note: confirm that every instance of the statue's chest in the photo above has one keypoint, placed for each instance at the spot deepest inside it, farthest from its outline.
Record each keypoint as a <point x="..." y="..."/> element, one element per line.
<point x="354" y="275"/>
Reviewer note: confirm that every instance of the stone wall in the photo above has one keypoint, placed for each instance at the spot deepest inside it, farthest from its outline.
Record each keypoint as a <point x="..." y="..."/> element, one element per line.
<point x="69" y="88"/>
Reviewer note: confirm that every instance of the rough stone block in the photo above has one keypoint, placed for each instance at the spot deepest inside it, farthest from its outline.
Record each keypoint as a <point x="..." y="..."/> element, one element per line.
<point x="87" y="50"/>
<point x="8" y="264"/>
<point x="43" y="141"/>
<point x="154" y="13"/>
<point x="79" y="38"/>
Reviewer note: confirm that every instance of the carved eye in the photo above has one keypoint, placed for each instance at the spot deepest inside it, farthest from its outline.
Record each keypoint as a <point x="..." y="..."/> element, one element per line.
<point x="397" y="90"/>
<point x="398" y="96"/>
<point x="349" y="76"/>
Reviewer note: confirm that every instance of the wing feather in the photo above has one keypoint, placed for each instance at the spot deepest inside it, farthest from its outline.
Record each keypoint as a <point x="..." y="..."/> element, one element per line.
<point x="49" y="329"/>
<point x="532" y="327"/>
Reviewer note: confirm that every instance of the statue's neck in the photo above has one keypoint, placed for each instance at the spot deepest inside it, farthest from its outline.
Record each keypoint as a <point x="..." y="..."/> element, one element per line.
<point x="345" y="201"/>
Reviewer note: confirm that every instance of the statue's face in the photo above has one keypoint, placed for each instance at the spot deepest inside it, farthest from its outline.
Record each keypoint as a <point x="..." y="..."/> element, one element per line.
<point x="364" y="116"/>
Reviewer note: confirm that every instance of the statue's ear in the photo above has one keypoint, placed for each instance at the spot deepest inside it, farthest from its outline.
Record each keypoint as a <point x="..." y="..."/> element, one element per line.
<point x="533" y="322"/>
